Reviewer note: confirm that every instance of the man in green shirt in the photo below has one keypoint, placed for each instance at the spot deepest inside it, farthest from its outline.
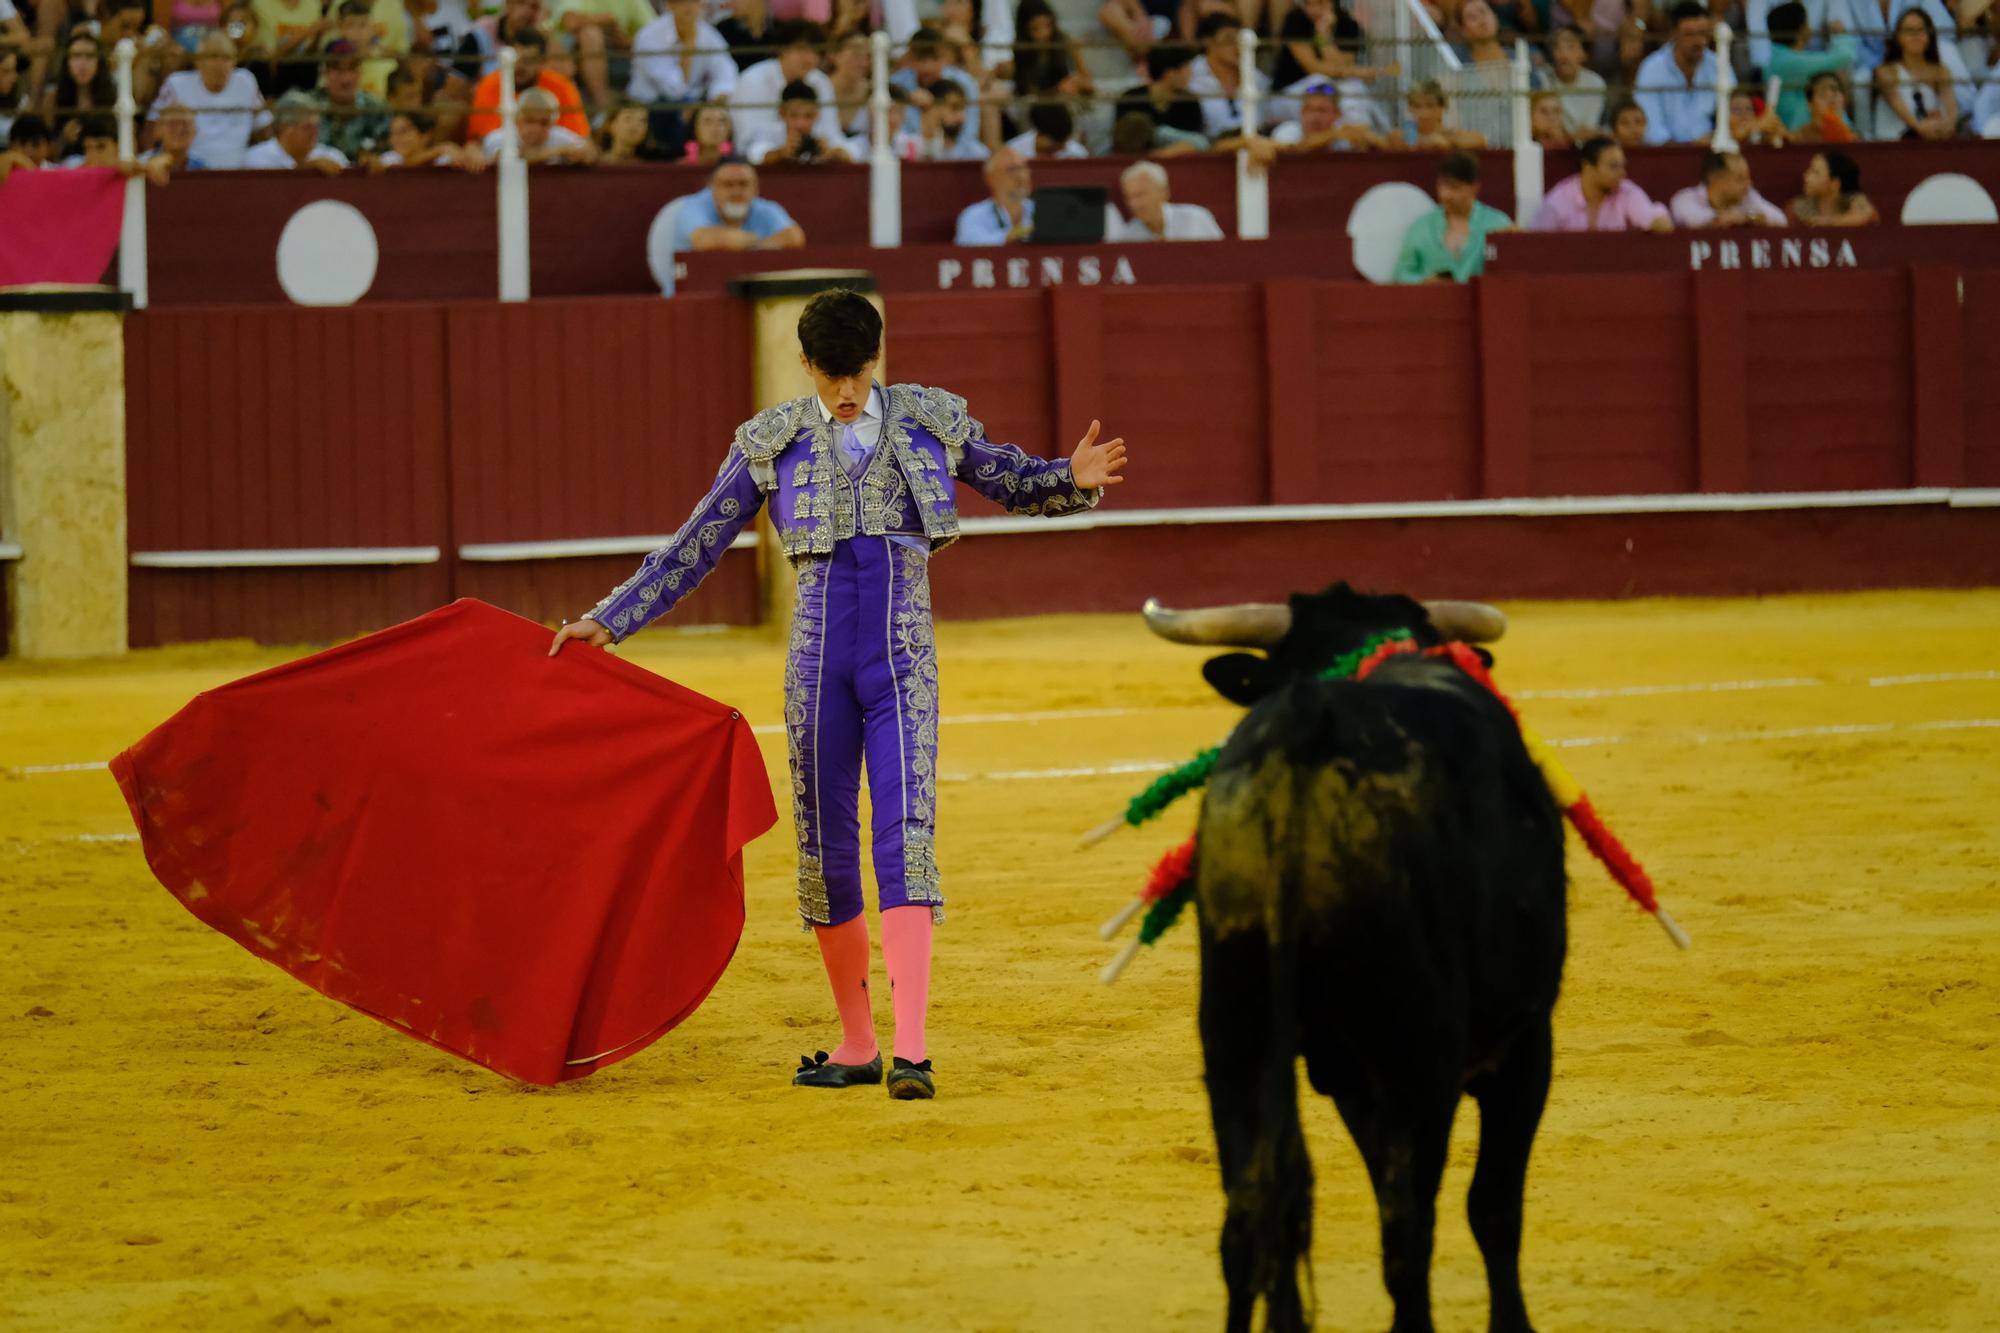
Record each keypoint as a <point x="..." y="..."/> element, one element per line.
<point x="1794" y="66"/>
<point x="1450" y="240"/>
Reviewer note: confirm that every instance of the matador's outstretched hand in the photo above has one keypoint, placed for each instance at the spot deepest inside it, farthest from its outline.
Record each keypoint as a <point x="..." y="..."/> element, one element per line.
<point x="1095" y="464"/>
<point x="586" y="629"/>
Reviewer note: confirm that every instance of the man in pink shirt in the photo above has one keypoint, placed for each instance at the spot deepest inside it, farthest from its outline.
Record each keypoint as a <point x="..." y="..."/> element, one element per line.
<point x="1725" y="197"/>
<point x="1599" y="198"/>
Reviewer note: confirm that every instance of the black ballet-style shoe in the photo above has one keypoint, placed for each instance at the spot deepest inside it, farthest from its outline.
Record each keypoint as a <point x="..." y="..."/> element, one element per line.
<point x="818" y="1072"/>
<point x="911" y="1082"/>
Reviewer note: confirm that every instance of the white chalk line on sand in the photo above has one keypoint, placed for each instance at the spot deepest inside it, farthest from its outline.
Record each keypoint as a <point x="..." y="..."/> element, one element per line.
<point x="1933" y="678"/>
<point x="25" y="843"/>
<point x="1568" y="742"/>
<point x="1080" y="714"/>
<point x="1642" y="691"/>
<point x="1136" y="766"/>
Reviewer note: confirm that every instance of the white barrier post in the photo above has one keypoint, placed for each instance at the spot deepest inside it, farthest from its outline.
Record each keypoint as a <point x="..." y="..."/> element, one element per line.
<point x="1405" y="57"/>
<point x="885" y="170"/>
<point x="132" y="231"/>
<point x="512" y="178"/>
<point x="1520" y="83"/>
<point x="1723" y="140"/>
<point x="1253" y="183"/>
<point x="1528" y="170"/>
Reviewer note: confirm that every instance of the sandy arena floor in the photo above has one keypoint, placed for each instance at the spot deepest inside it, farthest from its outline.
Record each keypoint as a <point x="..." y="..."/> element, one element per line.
<point x="1796" y="1126"/>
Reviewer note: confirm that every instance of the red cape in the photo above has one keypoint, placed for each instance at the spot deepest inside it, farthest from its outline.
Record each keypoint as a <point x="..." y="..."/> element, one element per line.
<point x="532" y="862"/>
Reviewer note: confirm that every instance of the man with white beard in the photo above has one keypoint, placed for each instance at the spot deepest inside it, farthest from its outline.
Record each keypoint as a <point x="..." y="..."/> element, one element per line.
<point x="729" y="215"/>
<point x="1153" y="218"/>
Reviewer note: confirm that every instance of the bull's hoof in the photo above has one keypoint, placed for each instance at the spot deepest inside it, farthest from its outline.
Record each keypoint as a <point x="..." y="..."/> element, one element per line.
<point x="819" y="1072"/>
<point x="911" y="1082"/>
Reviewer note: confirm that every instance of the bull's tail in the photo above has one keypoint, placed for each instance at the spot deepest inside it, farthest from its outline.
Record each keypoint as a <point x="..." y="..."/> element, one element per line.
<point x="1281" y="1175"/>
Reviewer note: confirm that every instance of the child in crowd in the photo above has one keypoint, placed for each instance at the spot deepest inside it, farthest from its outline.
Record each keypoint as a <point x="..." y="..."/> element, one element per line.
<point x="1426" y="128"/>
<point x="1826" y="112"/>
<point x="1750" y="124"/>
<point x="626" y="136"/>
<point x="1628" y="124"/>
<point x="414" y="142"/>
<point x="708" y="140"/>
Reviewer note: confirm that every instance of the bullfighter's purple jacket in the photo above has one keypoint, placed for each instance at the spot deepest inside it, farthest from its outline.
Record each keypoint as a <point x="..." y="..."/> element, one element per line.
<point x="786" y="455"/>
<point x="861" y="675"/>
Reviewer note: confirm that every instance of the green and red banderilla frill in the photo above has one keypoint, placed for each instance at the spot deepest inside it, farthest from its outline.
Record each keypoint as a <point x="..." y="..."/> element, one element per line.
<point x="1170" y="887"/>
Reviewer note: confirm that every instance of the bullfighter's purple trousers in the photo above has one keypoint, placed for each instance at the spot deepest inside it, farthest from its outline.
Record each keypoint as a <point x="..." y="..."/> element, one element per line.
<point x="861" y="680"/>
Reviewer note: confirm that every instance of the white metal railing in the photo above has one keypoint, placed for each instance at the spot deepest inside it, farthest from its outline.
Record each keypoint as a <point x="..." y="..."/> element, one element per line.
<point x="297" y="557"/>
<point x="1704" y="502"/>
<point x="885" y="170"/>
<point x="511" y="180"/>
<point x="1253" y="182"/>
<point x="483" y="553"/>
<point x="1529" y="178"/>
<point x="1413" y="44"/>
<point x="1724" y="140"/>
<point x="1398" y="32"/>
<point x="132" y="230"/>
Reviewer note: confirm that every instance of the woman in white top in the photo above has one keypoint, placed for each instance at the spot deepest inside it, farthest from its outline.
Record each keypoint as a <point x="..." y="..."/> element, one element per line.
<point x="1913" y="92"/>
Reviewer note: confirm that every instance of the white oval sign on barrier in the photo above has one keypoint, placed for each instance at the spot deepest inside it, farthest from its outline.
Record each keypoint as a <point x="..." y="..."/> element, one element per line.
<point x="1377" y="223"/>
<point x="327" y="254"/>
<point x="1949" y="197"/>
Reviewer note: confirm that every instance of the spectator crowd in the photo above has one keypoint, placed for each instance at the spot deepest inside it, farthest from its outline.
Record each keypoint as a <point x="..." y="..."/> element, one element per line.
<point x="735" y="85"/>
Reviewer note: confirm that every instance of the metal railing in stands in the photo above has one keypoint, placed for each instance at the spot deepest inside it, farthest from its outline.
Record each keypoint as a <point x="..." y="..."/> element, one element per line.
<point x="885" y="222"/>
<point x="1397" y="33"/>
<point x="1414" y="45"/>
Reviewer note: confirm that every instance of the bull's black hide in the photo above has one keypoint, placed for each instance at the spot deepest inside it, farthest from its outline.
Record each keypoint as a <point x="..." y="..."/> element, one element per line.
<point x="1379" y="887"/>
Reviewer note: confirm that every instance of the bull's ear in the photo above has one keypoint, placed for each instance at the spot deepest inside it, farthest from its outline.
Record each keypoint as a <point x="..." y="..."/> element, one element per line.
<point x="1241" y="678"/>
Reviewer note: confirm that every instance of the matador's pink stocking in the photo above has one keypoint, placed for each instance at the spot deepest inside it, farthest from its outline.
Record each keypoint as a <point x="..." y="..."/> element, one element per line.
<point x="844" y="950"/>
<point x="906" y="952"/>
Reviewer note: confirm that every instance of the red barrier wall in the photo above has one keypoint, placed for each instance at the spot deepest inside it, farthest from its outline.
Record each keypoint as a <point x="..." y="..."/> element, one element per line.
<point x="590" y="419"/>
<point x="401" y="426"/>
<point x="212" y="236"/>
<point x="257" y="428"/>
<point x="1627" y="555"/>
<point x="1980" y="382"/>
<point x="406" y="425"/>
<point x="1610" y="388"/>
<point x="1828" y="383"/>
<point x="1373" y="392"/>
<point x="1181" y="375"/>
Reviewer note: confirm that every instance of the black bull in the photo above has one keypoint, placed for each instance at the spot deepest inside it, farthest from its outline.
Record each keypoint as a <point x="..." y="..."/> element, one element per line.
<point x="1380" y="889"/>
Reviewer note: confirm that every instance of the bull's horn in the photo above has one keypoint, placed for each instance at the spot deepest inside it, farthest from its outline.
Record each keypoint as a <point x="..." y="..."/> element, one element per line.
<point x="1248" y="625"/>
<point x="1472" y="622"/>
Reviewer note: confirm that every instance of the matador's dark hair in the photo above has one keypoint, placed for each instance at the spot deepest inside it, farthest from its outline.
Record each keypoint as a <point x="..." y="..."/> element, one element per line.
<point x="840" y="332"/>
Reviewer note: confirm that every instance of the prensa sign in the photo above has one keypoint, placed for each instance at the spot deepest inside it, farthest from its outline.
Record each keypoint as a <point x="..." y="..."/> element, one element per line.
<point x="1041" y="271"/>
<point x="1785" y="252"/>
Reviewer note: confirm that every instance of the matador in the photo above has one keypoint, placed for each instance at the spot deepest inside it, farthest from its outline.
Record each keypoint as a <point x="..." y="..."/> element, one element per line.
<point x="859" y="477"/>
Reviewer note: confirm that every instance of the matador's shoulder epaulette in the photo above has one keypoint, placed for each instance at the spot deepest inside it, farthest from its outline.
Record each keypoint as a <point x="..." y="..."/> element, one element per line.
<point x="763" y="437"/>
<point x="939" y="411"/>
